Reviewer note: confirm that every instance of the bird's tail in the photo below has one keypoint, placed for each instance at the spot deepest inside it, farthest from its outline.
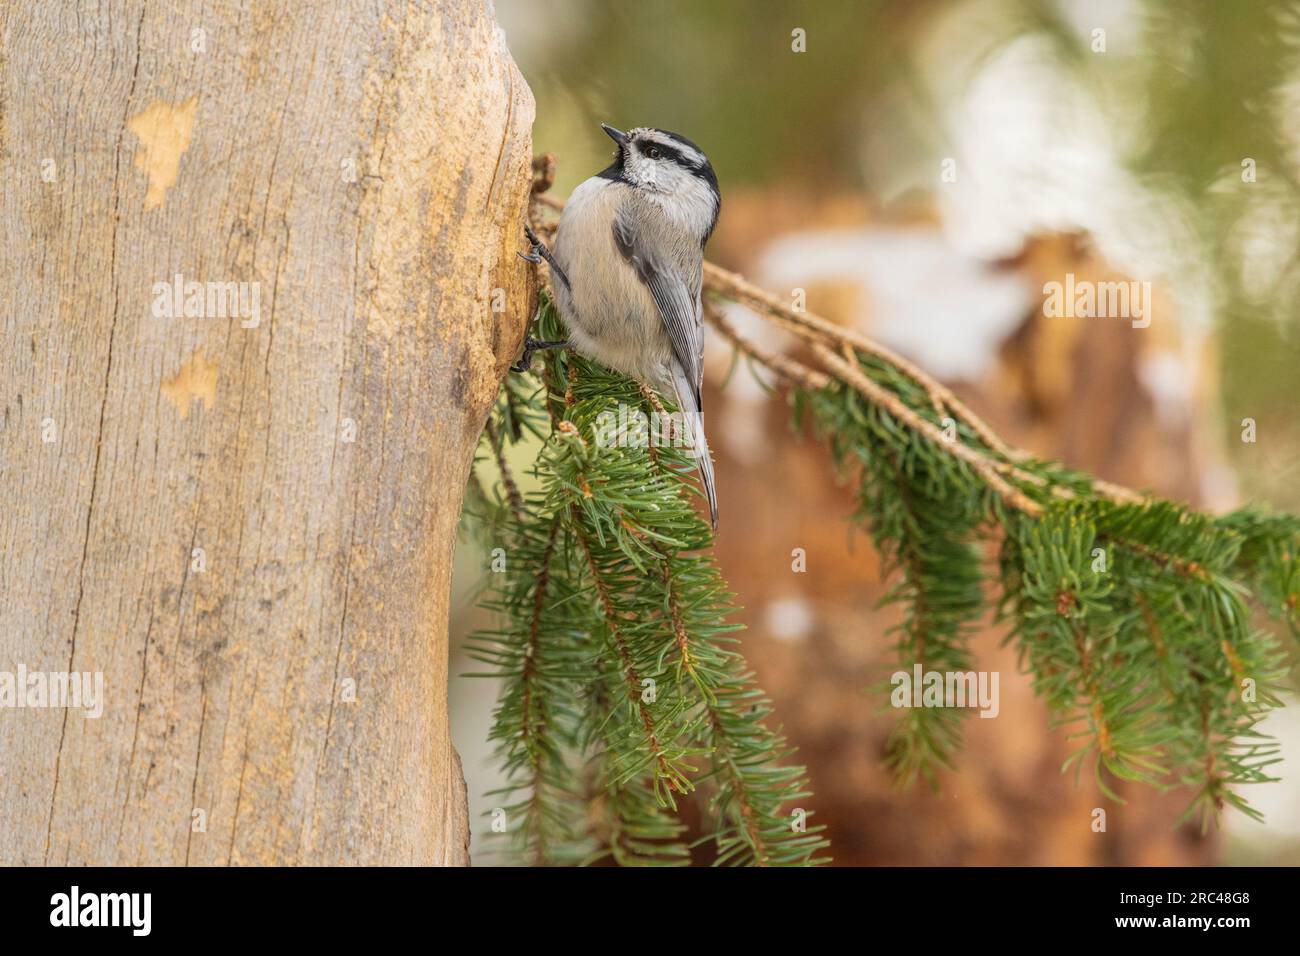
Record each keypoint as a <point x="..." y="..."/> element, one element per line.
<point x="694" y="420"/>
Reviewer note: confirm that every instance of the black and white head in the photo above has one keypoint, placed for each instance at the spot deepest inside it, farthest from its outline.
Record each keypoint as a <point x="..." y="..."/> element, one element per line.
<point x="669" y="168"/>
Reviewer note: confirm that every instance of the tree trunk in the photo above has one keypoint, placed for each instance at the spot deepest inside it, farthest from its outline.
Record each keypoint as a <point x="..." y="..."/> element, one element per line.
<point x="239" y="506"/>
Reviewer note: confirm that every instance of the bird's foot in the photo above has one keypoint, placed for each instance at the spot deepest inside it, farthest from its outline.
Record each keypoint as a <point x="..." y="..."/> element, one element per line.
<point x="531" y="346"/>
<point x="540" y="253"/>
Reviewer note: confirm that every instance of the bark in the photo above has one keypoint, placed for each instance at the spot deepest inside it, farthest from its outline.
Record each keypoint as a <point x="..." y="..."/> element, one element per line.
<point x="245" y="522"/>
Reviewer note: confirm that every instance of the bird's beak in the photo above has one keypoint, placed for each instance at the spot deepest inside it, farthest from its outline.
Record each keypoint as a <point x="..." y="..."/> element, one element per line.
<point x="617" y="136"/>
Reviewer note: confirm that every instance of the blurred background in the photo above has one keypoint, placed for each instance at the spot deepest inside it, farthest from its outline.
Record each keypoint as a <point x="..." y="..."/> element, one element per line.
<point x="922" y="169"/>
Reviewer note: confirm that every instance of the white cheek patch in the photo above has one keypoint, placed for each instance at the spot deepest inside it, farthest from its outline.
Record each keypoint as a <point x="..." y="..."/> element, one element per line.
<point x="663" y="177"/>
<point x="645" y="172"/>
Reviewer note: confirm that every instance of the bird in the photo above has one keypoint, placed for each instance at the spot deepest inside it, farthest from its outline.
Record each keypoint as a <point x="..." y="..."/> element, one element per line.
<point x="627" y="266"/>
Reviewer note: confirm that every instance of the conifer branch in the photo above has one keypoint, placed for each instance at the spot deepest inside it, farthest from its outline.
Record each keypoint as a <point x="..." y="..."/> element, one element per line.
<point x="895" y="406"/>
<point x="650" y="689"/>
<point x="671" y="777"/>
<point x="1132" y="614"/>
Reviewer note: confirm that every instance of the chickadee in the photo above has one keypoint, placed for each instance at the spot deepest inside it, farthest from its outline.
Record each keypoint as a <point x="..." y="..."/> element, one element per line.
<point x="628" y="267"/>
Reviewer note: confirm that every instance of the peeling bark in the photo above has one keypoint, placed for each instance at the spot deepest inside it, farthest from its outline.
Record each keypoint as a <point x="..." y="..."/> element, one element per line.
<point x="245" y="521"/>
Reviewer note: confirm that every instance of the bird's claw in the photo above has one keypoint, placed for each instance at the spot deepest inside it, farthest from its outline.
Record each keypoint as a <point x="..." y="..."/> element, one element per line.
<point x="535" y="255"/>
<point x="534" y="345"/>
<point x="539" y="253"/>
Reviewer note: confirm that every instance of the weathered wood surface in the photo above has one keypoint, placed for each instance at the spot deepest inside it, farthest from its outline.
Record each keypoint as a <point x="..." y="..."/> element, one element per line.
<point x="245" y="522"/>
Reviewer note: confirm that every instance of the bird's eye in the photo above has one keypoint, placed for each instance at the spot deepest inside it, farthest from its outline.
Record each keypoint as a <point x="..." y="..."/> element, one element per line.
<point x="653" y="152"/>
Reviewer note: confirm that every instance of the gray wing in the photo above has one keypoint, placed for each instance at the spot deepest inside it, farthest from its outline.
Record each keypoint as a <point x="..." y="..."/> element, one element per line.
<point x="670" y="266"/>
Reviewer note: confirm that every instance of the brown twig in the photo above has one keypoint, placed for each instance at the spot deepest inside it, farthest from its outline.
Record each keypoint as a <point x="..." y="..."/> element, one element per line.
<point x="666" y="772"/>
<point x="782" y="365"/>
<point x="530" y="673"/>
<point x="543" y="173"/>
<point x="731" y="285"/>
<point x="507" y="477"/>
<point x="1191" y="569"/>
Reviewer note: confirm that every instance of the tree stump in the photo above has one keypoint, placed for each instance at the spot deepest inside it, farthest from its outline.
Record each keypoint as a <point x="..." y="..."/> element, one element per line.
<point x="235" y="493"/>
